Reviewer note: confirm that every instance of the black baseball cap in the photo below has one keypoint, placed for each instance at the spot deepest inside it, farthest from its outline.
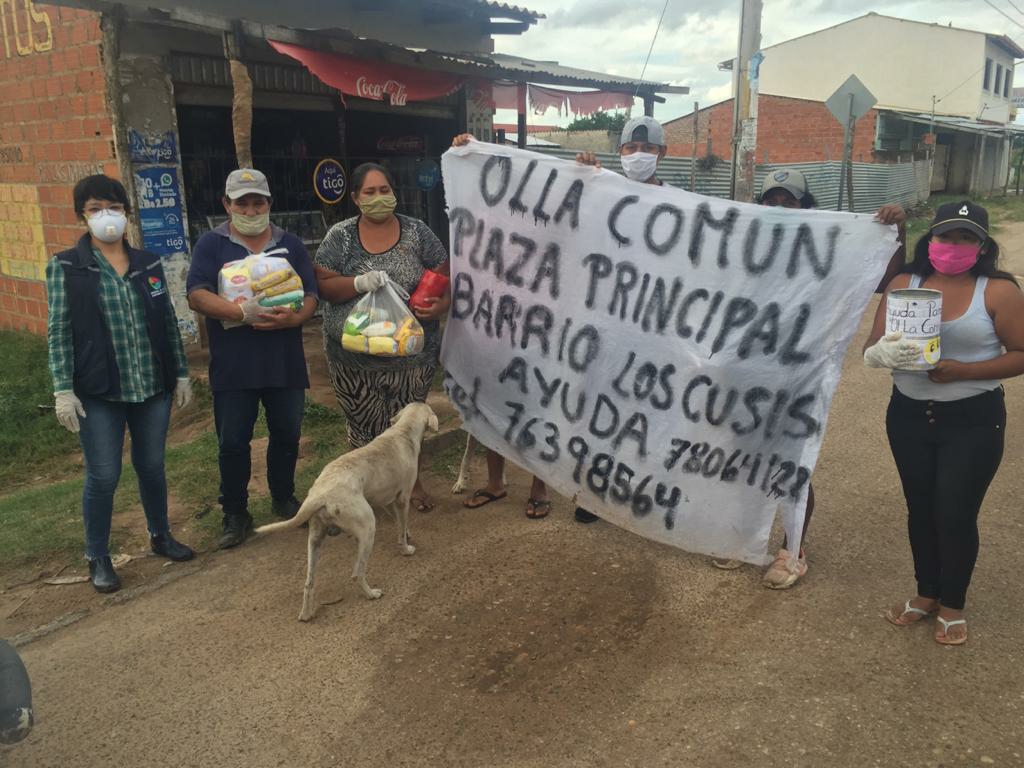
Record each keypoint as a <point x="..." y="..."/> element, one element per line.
<point x="962" y="215"/>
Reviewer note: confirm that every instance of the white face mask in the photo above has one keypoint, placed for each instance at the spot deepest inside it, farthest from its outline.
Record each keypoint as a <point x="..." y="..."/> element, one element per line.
<point x="107" y="226"/>
<point x="639" y="166"/>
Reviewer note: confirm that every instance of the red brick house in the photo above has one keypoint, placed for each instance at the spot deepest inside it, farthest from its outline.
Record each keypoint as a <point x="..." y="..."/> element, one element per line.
<point x="788" y="131"/>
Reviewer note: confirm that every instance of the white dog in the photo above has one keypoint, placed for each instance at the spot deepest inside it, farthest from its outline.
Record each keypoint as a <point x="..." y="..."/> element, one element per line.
<point x="379" y="476"/>
<point x="462" y="482"/>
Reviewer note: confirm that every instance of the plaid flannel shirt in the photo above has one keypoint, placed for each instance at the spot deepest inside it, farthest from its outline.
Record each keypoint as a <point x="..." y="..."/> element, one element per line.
<point x="125" y="317"/>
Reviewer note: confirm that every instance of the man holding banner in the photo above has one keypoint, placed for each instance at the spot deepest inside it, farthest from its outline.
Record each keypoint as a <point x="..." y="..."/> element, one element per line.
<point x="666" y="359"/>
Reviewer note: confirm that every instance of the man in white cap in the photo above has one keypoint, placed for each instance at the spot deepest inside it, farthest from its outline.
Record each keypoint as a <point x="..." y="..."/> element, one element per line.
<point x="261" y="361"/>
<point x="641" y="147"/>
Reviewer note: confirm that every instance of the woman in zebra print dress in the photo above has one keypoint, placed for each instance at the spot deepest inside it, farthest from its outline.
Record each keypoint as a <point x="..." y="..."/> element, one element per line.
<point x="349" y="262"/>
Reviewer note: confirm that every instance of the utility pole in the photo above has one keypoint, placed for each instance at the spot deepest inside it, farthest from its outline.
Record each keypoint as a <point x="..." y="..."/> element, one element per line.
<point x="693" y="156"/>
<point x="745" y="79"/>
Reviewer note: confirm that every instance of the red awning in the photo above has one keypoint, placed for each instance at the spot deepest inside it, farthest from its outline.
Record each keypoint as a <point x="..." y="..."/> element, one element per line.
<point x="375" y="80"/>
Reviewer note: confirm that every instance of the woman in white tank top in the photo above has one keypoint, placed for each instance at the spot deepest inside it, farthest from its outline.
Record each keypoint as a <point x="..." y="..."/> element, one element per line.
<point x="946" y="426"/>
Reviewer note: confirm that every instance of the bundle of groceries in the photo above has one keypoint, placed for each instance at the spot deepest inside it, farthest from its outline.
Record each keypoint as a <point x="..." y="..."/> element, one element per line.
<point x="263" y="276"/>
<point x="381" y="324"/>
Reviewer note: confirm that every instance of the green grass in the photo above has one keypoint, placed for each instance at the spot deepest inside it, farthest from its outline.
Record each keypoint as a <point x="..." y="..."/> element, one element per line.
<point x="40" y="505"/>
<point x="31" y="441"/>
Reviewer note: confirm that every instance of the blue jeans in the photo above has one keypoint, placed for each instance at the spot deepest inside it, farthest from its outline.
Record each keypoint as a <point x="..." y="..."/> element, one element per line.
<point x="102" y="439"/>
<point x="234" y="413"/>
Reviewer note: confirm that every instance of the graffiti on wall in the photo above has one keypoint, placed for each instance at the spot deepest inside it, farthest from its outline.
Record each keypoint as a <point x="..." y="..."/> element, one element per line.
<point x="26" y="27"/>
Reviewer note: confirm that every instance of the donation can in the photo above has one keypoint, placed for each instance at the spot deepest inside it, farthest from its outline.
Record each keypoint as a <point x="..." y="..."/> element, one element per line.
<point x="917" y="313"/>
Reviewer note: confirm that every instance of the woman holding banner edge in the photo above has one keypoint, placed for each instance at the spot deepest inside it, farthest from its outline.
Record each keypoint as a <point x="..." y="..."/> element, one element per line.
<point x="947" y="426"/>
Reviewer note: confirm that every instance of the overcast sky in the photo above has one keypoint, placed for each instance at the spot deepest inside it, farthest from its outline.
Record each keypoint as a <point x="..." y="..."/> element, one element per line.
<point x="614" y="36"/>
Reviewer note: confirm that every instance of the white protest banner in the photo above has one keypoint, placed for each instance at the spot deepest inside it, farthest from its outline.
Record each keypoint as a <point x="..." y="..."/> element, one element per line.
<point x="666" y="358"/>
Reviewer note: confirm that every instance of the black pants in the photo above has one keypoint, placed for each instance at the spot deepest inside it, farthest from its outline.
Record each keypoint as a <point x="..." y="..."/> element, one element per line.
<point x="947" y="454"/>
<point x="235" y="415"/>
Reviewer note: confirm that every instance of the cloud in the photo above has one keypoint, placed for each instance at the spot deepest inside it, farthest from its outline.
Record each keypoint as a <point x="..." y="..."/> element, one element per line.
<point x="613" y="36"/>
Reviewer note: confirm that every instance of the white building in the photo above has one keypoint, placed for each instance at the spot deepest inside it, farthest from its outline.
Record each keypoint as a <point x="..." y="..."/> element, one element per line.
<point x="958" y="80"/>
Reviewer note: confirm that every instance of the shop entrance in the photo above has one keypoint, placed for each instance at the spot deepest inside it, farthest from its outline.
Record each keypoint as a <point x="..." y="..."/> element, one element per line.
<point x="286" y="146"/>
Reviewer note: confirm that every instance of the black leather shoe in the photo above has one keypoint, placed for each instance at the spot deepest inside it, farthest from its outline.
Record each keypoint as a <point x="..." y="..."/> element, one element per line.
<point x="165" y="545"/>
<point x="285" y="508"/>
<point x="585" y="517"/>
<point x="103" y="576"/>
<point x="237" y="528"/>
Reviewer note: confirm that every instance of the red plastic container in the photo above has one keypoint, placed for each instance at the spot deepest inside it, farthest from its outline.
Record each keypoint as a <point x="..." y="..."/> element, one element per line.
<point x="432" y="286"/>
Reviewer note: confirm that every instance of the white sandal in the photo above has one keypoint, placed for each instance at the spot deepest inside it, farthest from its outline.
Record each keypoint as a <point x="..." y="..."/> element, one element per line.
<point x="908" y="608"/>
<point x="945" y="631"/>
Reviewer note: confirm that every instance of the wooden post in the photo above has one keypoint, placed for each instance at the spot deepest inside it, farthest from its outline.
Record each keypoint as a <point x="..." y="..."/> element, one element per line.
<point x="521" y="117"/>
<point x="693" y="157"/>
<point x="649" y="104"/>
<point x="241" y="97"/>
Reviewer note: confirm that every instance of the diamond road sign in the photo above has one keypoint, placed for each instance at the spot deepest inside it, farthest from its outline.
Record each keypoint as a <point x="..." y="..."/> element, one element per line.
<point x="839" y="102"/>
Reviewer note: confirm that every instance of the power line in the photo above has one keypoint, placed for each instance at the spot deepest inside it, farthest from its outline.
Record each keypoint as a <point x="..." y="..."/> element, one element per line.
<point x="989" y="2"/>
<point x="651" y="49"/>
<point x="1014" y="6"/>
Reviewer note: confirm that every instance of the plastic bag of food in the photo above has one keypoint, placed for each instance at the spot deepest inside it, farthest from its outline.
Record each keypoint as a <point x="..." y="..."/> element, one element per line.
<point x="264" y="276"/>
<point x="381" y="324"/>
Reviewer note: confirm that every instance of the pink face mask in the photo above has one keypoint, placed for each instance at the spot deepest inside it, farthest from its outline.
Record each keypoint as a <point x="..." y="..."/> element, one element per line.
<point x="952" y="258"/>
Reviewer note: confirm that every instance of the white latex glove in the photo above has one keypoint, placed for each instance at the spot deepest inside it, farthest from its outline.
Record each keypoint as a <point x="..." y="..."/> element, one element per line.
<point x="183" y="392"/>
<point x="69" y="409"/>
<point x="370" y="281"/>
<point x="890" y="352"/>
<point x="251" y="310"/>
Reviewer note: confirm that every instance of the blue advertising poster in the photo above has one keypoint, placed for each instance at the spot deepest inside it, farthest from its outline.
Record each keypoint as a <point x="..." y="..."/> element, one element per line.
<point x="428" y="173"/>
<point x="155" y="148"/>
<point x="163" y="229"/>
<point x="329" y="181"/>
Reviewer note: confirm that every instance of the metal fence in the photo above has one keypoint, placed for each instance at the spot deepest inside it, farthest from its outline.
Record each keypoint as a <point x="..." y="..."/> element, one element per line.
<point x="874" y="184"/>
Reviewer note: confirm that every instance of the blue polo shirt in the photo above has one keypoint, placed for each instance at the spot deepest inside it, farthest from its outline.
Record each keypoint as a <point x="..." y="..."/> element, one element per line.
<point x="242" y="357"/>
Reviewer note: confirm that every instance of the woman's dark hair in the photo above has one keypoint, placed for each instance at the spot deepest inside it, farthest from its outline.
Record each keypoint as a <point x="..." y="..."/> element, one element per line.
<point x="100" y="187"/>
<point x="360" y="173"/>
<point x="986" y="266"/>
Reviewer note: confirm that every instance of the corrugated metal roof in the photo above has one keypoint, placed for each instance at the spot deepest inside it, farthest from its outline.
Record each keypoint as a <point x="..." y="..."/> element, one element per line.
<point x="957" y="123"/>
<point x="518" y="66"/>
<point x="513" y="10"/>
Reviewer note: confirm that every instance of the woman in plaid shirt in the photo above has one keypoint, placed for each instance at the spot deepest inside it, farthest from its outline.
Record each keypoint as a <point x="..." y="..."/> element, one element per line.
<point x="117" y="360"/>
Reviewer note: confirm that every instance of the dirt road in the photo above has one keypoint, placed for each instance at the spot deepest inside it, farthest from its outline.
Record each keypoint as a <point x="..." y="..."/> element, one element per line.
<point x="510" y="642"/>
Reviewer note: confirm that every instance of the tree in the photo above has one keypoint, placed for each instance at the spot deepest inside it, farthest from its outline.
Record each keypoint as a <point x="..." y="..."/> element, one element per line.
<point x="599" y="121"/>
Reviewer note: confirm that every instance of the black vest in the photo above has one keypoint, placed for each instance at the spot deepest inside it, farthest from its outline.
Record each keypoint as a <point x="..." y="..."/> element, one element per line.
<point x="96" y="373"/>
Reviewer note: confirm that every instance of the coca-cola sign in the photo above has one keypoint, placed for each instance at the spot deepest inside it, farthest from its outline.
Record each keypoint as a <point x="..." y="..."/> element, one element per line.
<point x="401" y="145"/>
<point x="377" y="91"/>
<point x="377" y="80"/>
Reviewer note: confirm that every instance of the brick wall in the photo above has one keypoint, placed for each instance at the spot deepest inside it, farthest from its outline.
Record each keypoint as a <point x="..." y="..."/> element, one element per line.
<point x="788" y="131"/>
<point x="55" y="128"/>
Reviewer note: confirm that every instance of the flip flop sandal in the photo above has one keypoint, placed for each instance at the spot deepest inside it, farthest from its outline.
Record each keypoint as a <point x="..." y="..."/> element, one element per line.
<point x="921" y="613"/>
<point x="487" y="497"/>
<point x="943" y="639"/>
<point x="538" y="509"/>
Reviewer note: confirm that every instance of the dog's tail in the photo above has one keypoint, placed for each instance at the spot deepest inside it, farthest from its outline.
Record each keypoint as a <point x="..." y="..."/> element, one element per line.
<point x="306" y="511"/>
